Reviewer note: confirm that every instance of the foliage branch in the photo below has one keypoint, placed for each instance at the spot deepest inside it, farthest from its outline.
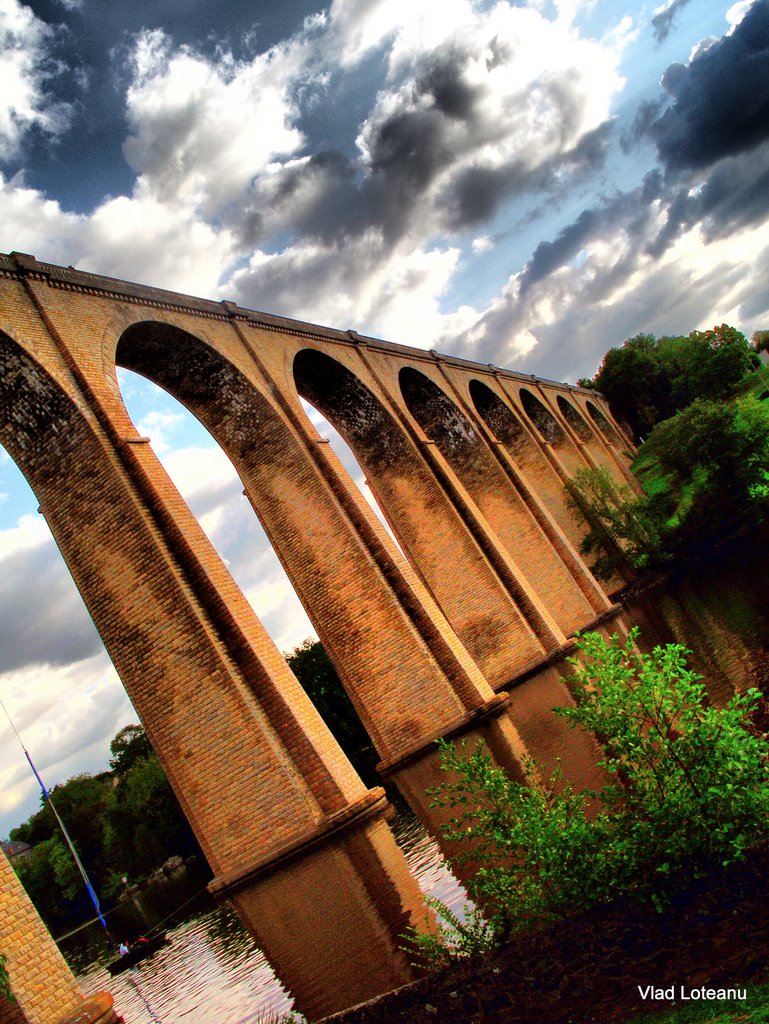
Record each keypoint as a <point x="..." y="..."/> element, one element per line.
<point x="5" y="985"/>
<point x="706" y="479"/>
<point x="686" y="790"/>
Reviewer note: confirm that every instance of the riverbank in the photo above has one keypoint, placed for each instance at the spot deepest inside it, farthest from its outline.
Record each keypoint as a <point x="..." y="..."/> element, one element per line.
<point x="597" y="968"/>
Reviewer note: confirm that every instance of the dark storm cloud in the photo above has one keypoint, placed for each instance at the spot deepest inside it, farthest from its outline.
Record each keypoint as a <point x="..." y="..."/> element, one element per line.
<point x="408" y="151"/>
<point x="645" y="117"/>
<point x="721" y="98"/>
<point x="628" y="210"/>
<point x="43" y="621"/>
<point x="663" y="22"/>
<point x="734" y="196"/>
<point x="478" y="192"/>
<point x="443" y="82"/>
<point x="549" y="256"/>
<point x="702" y="128"/>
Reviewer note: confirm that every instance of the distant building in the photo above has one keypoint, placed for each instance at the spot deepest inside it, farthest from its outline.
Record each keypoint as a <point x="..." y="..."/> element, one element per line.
<point x="14" y="850"/>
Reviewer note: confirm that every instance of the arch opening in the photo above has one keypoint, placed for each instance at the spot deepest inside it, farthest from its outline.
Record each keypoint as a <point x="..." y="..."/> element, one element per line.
<point x="439" y="417"/>
<point x="574" y="419"/>
<point x="500" y="498"/>
<point x="542" y="418"/>
<point x="208" y="482"/>
<point x="604" y="425"/>
<point x="204" y="394"/>
<point x="359" y="429"/>
<point x="427" y="525"/>
<point x="503" y="422"/>
<point x="55" y="674"/>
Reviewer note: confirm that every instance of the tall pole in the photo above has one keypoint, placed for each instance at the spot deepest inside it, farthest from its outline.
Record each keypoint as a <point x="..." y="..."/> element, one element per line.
<point x="49" y="801"/>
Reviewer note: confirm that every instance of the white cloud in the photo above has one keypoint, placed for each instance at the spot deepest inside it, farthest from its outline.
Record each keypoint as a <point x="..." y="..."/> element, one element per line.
<point x="137" y="239"/>
<point x="66" y="717"/>
<point x="31" y="531"/>
<point x="160" y="427"/>
<point x="25" y="68"/>
<point x="736" y="13"/>
<point x="617" y="290"/>
<point x="202" y="129"/>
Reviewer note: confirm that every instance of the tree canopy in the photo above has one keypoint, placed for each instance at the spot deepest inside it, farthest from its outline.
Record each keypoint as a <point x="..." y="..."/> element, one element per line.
<point x="311" y="665"/>
<point x="647" y="380"/>
<point x="705" y="473"/>
<point x="127" y="822"/>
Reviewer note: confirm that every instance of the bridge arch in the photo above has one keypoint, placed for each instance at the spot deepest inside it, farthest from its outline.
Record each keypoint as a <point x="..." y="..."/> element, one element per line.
<point x="605" y="427"/>
<point x="594" y="441"/>
<point x="131" y="583"/>
<point x="426" y="524"/>
<point x="506" y="425"/>
<point x="574" y="419"/>
<point x="341" y="563"/>
<point x="259" y="776"/>
<point x="495" y="496"/>
<point x="542" y="418"/>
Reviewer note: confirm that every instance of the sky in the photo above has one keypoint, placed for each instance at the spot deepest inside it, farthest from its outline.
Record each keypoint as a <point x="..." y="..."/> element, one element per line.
<point x="522" y="183"/>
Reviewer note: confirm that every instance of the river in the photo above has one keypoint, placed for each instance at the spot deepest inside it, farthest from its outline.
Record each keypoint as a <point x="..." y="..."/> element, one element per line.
<point x="213" y="972"/>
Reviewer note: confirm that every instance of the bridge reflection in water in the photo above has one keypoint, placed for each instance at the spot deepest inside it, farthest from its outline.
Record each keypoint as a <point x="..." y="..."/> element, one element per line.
<point x="214" y="971"/>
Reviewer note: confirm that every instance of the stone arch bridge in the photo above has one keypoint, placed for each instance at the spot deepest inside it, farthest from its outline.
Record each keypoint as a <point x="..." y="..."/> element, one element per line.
<point x="463" y="622"/>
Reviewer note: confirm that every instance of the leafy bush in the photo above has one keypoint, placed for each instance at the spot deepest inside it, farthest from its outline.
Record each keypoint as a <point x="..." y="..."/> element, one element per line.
<point x="687" y="789"/>
<point x="706" y="480"/>
<point x="624" y="529"/>
<point x="454" y="938"/>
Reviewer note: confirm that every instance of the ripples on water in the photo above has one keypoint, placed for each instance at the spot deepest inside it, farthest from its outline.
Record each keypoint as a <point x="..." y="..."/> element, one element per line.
<point x="213" y="973"/>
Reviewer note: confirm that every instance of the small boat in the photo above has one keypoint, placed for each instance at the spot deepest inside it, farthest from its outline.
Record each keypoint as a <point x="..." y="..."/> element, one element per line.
<point x="138" y="951"/>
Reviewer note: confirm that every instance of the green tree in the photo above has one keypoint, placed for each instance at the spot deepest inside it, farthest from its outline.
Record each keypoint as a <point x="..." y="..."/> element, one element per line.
<point x="707" y="484"/>
<point x="5" y="984"/>
<point x="624" y="529"/>
<point x="716" y="457"/>
<point x="130" y="745"/>
<point x="53" y="884"/>
<point x="686" y="791"/>
<point x="647" y="380"/>
<point x="80" y="802"/>
<point x="144" y="823"/>
<point x="318" y="677"/>
<point x="131" y="826"/>
<point x="636" y="386"/>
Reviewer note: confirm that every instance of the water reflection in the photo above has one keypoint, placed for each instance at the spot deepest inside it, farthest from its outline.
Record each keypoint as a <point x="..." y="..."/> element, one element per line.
<point x="214" y="971"/>
<point x="332" y="923"/>
<point x="721" y="616"/>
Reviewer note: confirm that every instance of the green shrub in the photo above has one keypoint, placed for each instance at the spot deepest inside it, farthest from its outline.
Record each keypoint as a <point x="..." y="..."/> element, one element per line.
<point x="706" y="481"/>
<point x="687" y="789"/>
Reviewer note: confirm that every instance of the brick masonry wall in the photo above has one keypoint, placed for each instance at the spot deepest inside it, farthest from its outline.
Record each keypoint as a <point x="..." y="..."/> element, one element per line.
<point x="40" y="979"/>
<point x="178" y="631"/>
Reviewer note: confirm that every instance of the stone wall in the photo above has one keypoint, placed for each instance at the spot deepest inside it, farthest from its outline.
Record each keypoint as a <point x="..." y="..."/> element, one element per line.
<point x="40" y="979"/>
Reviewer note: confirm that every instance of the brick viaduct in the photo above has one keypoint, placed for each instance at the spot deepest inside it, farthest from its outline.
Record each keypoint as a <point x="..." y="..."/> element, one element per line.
<point x="465" y="622"/>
